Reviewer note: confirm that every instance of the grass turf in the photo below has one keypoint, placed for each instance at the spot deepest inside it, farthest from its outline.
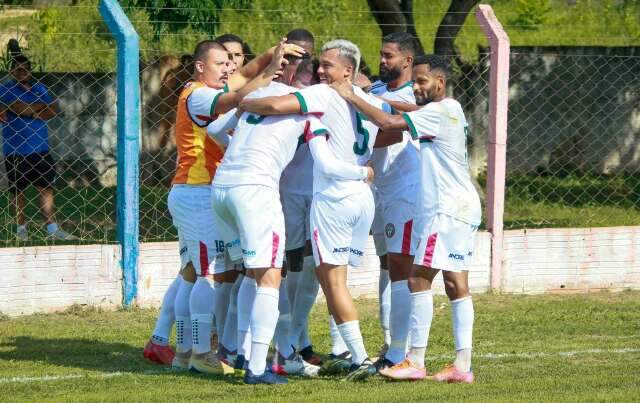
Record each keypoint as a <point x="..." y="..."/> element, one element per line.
<point x="522" y="353"/>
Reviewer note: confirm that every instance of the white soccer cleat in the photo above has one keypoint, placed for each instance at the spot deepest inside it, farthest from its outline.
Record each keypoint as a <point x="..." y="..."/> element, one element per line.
<point x="295" y="366"/>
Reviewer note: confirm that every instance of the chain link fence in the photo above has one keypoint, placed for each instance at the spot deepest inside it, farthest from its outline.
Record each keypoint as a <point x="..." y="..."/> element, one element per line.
<point x="573" y="152"/>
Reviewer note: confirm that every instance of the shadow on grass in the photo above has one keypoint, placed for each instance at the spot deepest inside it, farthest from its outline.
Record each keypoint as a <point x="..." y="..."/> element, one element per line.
<point x="93" y="355"/>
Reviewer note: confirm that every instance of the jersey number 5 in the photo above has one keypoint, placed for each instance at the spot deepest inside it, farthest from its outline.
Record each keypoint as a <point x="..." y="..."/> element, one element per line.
<point x="361" y="149"/>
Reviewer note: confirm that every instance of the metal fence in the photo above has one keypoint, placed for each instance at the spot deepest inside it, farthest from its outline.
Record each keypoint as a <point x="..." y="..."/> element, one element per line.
<point x="573" y="155"/>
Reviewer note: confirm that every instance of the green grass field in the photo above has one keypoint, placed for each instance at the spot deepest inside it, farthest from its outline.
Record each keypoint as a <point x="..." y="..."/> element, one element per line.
<point x="527" y="348"/>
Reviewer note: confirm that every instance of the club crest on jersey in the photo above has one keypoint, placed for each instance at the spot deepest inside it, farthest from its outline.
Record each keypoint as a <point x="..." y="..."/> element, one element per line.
<point x="390" y="230"/>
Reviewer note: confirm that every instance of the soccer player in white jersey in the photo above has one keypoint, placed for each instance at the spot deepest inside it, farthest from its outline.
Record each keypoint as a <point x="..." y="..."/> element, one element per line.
<point x="296" y="193"/>
<point x="342" y="209"/>
<point x="395" y="196"/>
<point x="249" y="176"/>
<point x="211" y="92"/>
<point x="447" y="219"/>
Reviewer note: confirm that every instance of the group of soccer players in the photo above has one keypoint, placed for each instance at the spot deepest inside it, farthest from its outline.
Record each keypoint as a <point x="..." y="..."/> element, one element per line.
<point x="275" y="195"/>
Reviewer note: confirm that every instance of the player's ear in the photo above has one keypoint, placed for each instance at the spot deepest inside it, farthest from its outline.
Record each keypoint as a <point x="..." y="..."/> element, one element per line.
<point x="409" y="61"/>
<point x="348" y="72"/>
<point x="199" y="66"/>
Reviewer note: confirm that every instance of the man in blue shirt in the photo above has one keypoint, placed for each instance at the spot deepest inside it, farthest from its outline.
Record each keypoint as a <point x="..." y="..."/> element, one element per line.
<point x="25" y="107"/>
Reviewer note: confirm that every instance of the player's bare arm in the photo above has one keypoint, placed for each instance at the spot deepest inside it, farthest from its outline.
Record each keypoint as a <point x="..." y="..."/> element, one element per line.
<point x="246" y="73"/>
<point x="383" y="120"/>
<point x="401" y="106"/>
<point x="281" y="105"/>
<point x="230" y="100"/>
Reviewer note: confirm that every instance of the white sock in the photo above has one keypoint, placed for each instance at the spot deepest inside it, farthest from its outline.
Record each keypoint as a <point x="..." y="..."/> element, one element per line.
<point x="462" y="322"/>
<point x="420" y="324"/>
<point x="221" y="306"/>
<point x="400" y="313"/>
<point x="384" y="295"/>
<point x="350" y="332"/>
<point x="230" y="333"/>
<point x="183" y="317"/>
<point x="305" y="298"/>
<point x="53" y="227"/>
<point x="283" y="325"/>
<point x="264" y="317"/>
<point x="246" y="298"/>
<point x="201" y="307"/>
<point x="167" y="315"/>
<point x="337" y="343"/>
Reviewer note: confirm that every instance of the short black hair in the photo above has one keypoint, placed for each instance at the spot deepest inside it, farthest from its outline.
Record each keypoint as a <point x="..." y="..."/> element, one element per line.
<point x="203" y="47"/>
<point x="435" y="62"/>
<point x="224" y="38"/>
<point x="20" y="59"/>
<point x="300" y="35"/>
<point x="405" y="41"/>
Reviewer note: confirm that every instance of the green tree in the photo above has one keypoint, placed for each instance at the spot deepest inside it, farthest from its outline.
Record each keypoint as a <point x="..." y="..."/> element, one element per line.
<point x="176" y="15"/>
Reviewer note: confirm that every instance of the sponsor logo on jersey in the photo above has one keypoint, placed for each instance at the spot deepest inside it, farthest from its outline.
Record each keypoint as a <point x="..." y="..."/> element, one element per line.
<point x="232" y="244"/>
<point x="247" y="252"/>
<point x="456" y="256"/>
<point x="346" y="249"/>
<point x="390" y="230"/>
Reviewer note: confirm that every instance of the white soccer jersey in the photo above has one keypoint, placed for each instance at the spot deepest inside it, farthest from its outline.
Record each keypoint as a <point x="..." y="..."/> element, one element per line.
<point x="262" y="146"/>
<point x="201" y="104"/>
<point x="351" y="136"/>
<point x="297" y="177"/>
<point x="446" y="187"/>
<point x="393" y="164"/>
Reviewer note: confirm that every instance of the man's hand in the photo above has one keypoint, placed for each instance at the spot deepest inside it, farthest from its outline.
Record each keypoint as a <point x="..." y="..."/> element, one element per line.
<point x="278" y="61"/>
<point x="343" y="88"/>
<point x="363" y="82"/>
<point x="370" y="175"/>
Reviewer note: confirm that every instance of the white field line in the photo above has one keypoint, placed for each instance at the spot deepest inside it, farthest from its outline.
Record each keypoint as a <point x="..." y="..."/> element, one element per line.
<point x="489" y="356"/>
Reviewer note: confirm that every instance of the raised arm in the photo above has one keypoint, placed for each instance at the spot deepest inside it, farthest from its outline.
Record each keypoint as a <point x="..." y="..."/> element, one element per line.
<point x="380" y="118"/>
<point x="248" y="72"/>
<point x="280" y="105"/>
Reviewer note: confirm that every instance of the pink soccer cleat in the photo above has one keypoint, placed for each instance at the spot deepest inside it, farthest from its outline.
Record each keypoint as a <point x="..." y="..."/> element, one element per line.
<point x="404" y="371"/>
<point x="157" y="353"/>
<point x="451" y="374"/>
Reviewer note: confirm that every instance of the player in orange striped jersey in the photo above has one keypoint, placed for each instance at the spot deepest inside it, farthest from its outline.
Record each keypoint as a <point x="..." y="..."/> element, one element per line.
<point x="211" y="92"/>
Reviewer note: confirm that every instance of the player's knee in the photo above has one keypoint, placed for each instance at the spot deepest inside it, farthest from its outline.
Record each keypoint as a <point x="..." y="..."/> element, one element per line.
<point x="189" y="273"/>
<point x="295" y="260"/>
<point x="455" y="289"/>
<point x="418" y="284"/>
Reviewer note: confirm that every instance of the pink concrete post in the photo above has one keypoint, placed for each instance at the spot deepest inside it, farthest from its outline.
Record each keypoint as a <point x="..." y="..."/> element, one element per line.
<point x="497" y="146"/>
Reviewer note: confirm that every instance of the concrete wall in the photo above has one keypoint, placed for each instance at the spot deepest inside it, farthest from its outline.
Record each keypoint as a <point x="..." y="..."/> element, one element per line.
<point x="46" y="279"/>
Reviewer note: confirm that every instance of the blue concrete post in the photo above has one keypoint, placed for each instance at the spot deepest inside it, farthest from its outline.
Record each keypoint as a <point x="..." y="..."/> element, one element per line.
<point x="128" y="120"/>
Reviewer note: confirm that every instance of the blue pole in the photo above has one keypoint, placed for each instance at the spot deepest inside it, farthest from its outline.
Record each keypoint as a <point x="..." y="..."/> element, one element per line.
<point x="128" y="121"/>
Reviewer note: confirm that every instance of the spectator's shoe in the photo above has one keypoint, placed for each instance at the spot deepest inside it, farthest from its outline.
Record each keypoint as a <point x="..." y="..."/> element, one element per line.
<point x="181" y="361"/>
<point x="294" y="365"/>
<point x="158" y="354"/>
<point x="206" y="363"/>
<point x="337" y="364"/>
<point x="451" y="374"/>
<point x="361" y="372"/>
<point x="309" y="356"/>
<point x="404" y="371"/>
<point x="267" y="378"/>
<point x="61" y="235"/>
<point x="22" y="234"/>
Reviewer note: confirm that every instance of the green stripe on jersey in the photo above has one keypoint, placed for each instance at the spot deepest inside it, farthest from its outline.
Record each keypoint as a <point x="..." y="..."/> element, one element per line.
<point x="303" y="104"/>
<point x="414" y="132"/>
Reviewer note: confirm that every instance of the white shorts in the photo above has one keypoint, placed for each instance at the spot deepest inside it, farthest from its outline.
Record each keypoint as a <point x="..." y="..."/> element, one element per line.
<point x="250" y="216"/>
<point x="198" y="240"/>
<point x="397" y="215"/>
<point x="340" y="228"/>
<point x="296" y="209"/>
<point x="377" y="226"/>
<point x="444" y="243"/>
